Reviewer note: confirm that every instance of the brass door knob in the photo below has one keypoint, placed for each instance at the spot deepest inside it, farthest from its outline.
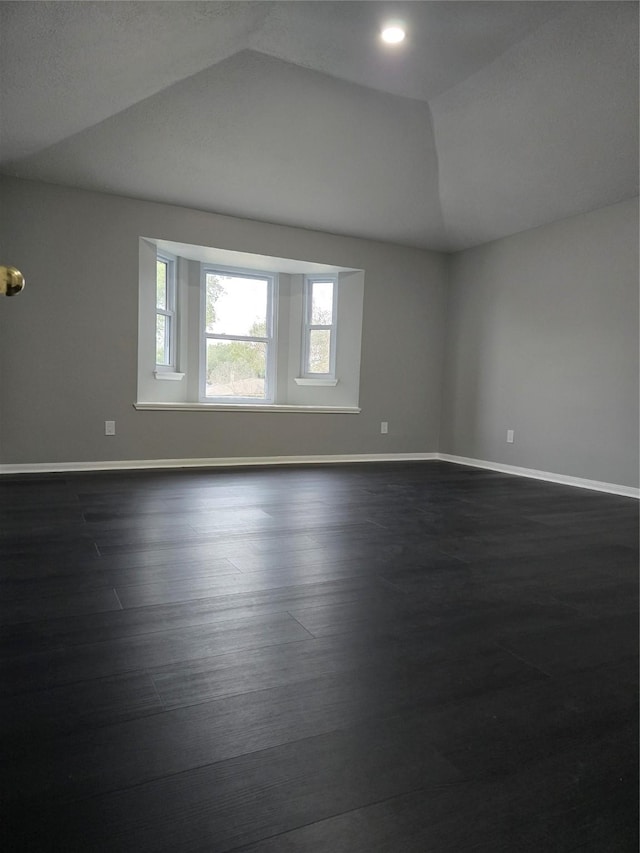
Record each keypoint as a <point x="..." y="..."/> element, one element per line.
<point x="11" y="281"/>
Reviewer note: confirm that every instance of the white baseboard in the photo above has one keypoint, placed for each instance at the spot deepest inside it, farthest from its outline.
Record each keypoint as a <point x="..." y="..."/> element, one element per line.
<point x="549" y="476"/>
<point x="215" y="462"/>
<point x="264" y="461"/>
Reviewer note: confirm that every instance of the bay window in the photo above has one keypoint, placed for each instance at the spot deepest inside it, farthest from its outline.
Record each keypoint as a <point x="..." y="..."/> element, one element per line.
<point x="244" y="332"/>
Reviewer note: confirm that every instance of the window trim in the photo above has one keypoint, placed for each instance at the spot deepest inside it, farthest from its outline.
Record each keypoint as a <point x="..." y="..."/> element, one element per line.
<point x="270" y="339"/>
<point x="308" y="327"/>
<point x="249" y="407"/>
<point x="170" y="313"/>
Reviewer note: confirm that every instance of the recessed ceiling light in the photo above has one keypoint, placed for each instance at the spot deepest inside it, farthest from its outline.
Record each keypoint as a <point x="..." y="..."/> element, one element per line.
<point x="393" y="34"/>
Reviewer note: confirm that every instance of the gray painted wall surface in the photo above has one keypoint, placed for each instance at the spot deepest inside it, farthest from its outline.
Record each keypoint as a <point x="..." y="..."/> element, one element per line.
<point x="68" y="343"/>
<point x="542" y="338"/>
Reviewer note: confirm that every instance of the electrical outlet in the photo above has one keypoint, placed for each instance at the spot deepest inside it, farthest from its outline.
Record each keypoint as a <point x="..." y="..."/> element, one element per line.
<point x="510" y="435"/>
<point x="384" y="427"/>
<point x="109" y="427"/>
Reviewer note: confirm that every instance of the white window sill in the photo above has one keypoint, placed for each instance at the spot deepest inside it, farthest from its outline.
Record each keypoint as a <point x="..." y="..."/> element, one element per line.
<point x="243" y="407"/>
<point x="168" y="375"/>
<point x="300" y="380"/>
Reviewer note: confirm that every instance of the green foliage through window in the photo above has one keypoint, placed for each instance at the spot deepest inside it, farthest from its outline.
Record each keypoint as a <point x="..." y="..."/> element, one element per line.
<point x="236" y="345"/>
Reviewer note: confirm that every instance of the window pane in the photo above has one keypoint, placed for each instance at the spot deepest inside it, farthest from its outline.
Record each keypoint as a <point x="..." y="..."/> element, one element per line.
<point x="322" y="303"/>
<point x="161" y="285"/>
<point x="319" y="351"/>
<point x="236" y="369"/>
<point x="236" y="306"/>
<point x="162" y="339"/>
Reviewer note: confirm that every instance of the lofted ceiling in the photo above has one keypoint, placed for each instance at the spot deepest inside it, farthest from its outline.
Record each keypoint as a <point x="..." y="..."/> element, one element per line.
<point x="491" y="118"/>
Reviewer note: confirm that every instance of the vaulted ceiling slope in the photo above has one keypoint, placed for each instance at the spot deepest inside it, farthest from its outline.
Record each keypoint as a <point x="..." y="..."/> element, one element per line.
<point x="492" y="118"/>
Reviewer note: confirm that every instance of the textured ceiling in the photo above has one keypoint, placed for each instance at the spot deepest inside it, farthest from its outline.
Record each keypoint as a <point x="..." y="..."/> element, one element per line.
<point x="491" y="118"/>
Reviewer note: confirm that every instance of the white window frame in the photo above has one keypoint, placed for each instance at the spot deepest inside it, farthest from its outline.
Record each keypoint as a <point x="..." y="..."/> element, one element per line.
<point x="270" y="339"/>
<point x="308" y="326"/>
<point x="170" y="313"/>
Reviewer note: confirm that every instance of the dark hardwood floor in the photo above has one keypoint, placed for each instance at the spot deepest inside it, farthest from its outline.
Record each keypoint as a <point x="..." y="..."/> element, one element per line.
<point x="381" y="658"/>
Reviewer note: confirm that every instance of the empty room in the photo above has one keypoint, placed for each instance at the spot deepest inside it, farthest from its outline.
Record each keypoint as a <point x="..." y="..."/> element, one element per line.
<point x="319" y="426"/>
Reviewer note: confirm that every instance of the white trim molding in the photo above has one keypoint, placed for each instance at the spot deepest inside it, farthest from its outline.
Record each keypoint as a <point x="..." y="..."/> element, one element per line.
<point x="222" y="462"/>
<point x="550" y="477"/>
<point x="168" y="375"/>
<point x="244" y="407"/>
<point x="305" y="380"/>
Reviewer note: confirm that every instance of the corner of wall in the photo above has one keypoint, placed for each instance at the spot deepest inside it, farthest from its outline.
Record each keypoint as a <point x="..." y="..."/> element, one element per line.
<point x="447" y="267"/>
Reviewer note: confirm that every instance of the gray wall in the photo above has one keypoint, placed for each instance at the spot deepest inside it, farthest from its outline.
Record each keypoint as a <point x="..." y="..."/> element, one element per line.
<point x="68" y="343"/>
<point x="542" y="338"/>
